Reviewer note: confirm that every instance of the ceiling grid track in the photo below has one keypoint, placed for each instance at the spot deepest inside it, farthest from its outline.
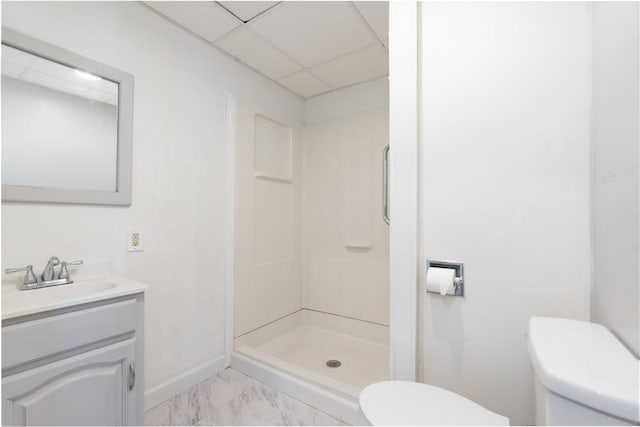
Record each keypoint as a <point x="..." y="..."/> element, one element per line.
<point x="366" y="23"/>
<point x="253" y="17"/>
<point x="222" y="51"/>
<point x="268" y="50"/>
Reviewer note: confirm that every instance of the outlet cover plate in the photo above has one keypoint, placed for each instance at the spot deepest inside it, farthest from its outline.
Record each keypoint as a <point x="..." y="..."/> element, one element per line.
<point x="134" y="239"/>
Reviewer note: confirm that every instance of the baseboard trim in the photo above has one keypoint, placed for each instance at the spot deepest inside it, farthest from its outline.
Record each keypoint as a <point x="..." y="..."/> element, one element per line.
<point x="165" y="391"/>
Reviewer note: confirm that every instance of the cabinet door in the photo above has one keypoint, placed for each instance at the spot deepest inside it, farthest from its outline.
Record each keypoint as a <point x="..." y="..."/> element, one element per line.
<point x="90" y="388"/>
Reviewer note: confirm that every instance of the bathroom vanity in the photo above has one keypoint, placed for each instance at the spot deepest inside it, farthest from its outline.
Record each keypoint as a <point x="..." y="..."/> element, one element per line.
<point x="72" y="350"/>
<point x="74" y="354"/>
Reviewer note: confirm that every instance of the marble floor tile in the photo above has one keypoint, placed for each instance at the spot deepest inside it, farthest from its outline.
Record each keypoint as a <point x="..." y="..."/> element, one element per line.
<point x="160" y="415"/>
<point x="232" y="398"/>
<point x="292" y="412"/>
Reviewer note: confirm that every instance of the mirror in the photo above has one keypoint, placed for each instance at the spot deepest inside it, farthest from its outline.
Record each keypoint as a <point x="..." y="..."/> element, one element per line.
<point x="66" y="126"/>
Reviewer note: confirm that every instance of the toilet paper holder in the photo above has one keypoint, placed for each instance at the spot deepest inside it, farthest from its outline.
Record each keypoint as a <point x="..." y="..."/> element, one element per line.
<point x="459" y="273"/>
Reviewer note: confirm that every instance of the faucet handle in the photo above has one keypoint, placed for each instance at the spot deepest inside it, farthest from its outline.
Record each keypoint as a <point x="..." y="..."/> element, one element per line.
<point x="64" y="272"/>
<point x="29" y="278"/>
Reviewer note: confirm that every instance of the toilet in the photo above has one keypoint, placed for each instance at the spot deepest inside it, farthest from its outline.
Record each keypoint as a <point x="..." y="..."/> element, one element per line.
<point x="584" y="374"/>
<point x="410" y="403"/>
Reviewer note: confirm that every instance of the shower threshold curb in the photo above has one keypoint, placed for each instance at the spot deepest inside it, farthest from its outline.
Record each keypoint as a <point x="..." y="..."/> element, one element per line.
<point x="345" y="409"/>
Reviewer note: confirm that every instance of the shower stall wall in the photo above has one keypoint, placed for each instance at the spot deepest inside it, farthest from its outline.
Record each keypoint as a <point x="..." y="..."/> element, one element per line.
<point x="311" y="256"/>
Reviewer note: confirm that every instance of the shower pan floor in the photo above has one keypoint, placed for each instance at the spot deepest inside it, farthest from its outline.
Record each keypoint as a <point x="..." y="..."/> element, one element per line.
<point x="302" y="343"/>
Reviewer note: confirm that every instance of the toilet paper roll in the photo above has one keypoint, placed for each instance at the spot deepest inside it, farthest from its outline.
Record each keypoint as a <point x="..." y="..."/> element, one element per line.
<point x="441" y="280"/>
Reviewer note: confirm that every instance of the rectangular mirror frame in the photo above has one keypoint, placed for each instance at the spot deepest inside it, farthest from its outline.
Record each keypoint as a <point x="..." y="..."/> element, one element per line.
<point x="122" y="195"/>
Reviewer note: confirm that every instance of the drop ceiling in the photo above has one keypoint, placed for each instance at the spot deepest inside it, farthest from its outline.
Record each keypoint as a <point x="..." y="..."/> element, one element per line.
<point x="308" y="47"/>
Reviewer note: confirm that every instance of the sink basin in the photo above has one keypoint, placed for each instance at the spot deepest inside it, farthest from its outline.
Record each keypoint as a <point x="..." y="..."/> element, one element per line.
<point x="19" y="303"/>
<point x="61" y="291"/>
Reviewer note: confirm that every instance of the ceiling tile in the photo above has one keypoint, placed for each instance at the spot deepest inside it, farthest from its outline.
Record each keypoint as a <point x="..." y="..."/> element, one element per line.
<point x="376" y="13"/>
<point x="360" y="66"/>
<point x="313" y="32"/>
<point x="259" y="54"/>
<point x="304" y="84"/>
<point x="246" y="10"/>
<point x="207" y="19"/>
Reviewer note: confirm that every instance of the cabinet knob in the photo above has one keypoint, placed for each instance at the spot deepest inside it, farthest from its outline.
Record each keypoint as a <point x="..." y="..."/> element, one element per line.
<point x="132" y="376"/>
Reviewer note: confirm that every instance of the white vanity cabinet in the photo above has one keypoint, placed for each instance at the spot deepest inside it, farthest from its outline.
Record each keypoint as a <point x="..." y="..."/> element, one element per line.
<point x="79" y="365"/>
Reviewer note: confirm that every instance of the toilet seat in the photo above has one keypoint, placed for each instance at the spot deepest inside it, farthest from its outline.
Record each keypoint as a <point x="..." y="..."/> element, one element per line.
<point x="410" y="403"/>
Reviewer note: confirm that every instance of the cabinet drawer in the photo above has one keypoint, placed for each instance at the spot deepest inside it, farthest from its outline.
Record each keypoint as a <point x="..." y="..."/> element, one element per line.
<point x="28" y="341"/>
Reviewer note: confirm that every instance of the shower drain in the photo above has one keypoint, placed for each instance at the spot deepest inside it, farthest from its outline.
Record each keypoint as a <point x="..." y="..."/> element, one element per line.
<point x="333" y="363"/>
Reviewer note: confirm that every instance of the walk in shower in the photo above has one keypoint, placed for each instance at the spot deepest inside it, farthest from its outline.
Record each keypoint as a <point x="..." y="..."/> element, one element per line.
<point x="311" y="254"/>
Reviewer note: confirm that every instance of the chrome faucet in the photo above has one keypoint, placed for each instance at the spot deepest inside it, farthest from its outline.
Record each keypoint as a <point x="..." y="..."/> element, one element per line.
<point x="48" y="276"/>
<point x="49" y="273"/>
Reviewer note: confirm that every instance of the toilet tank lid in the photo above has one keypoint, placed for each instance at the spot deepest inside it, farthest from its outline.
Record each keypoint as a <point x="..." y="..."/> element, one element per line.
<point x="586" y="363"/>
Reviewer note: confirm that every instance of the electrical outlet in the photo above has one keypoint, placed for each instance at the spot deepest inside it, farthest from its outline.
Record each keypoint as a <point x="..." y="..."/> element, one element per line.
<point x="134" y="239"/>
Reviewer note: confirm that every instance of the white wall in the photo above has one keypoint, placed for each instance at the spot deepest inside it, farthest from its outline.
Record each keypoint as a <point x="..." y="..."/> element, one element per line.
<point x="181" y="85"/>
<point x="505" y="171"/>
<point x="350" y="101"/>
<point x="267" y="219"/>
<point x="49" y="138"/>
<point x="616" y="182"/>
<point x="346" y="241"/>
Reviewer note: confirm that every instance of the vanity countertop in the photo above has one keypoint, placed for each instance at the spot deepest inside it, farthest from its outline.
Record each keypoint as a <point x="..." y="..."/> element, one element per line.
<point x="84" y="289"/>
